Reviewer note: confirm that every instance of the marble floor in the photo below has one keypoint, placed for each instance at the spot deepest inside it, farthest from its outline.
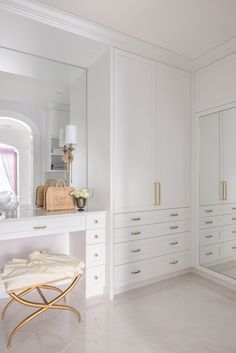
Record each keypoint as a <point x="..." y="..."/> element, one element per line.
<point x="187" y="314"/>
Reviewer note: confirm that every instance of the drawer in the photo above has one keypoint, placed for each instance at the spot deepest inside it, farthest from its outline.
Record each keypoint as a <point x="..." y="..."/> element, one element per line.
<point x="229" y="219"/>
<point x="150" y="217"/>
<point x="133" y="272"/>
<point x="172" y="243"/>
<point x="152" y="230"/>
<point x="209" y="222"/>
<point x="229" y="208"/>
<point x="134" y="251"/>
<point x="95" y="255"/>
<point x="95" y="276"/>
<point x="172" y="263"/>
<point x="95" y="236"/>
<point x="40" y="225"/>
<point x="94" y="221"/>
<point x="229" y="249"/>
<point x="210" y="235"/>
<point x="228" y="232"/>
<point x="214" y="210"/>
<point x="210" y="254"/>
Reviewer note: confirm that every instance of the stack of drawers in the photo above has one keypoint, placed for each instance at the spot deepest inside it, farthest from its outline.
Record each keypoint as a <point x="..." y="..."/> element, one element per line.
<point x="95" y="254"/>
<point x="150" y="244"/>
<point x="217" y="233"/>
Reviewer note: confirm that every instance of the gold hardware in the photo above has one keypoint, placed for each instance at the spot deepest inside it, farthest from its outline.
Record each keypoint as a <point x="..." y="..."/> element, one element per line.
<point x="174" y="214"/>
<point x="174" y="243"/>
<point x="221" y="190"/>
<point x="135" y="272"/>
<point x="135" y="233"/>
<point x="95" y="277"/>
<point x="157" y="193"/>
<point x="233" y="208"/>
<point x="96" y="254"/>
<point x="173" y="227"/>
<point x="95" y="221"/>
<point x="40" y="227"/>
<point x="225" y="190"/>
<point x="209" y="253"/>
<point x="208" y="211"/>
<point x="234" y="219"/>
<point x="136" y="219"/>
<point x="95" y="236"/>
<point x="233" y="231"/>
<point x="208" y="222"/>
<point x="135" y="250"/>
<point x="173" y="262"/>
<point x="208" y="236"/>
<point x="233" y="247"/>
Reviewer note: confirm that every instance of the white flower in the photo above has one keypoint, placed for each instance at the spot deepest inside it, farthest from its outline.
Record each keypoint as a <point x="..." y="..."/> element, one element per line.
<point x="80" y="193"/>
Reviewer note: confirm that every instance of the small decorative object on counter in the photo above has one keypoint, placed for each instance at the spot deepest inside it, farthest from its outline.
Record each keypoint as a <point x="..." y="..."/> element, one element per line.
<point x="80" y="196"/>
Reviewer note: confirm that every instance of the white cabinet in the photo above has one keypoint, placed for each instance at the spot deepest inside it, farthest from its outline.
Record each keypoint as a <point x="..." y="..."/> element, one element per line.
<point x="134" y="133"/>
<point x="172" y="136"/>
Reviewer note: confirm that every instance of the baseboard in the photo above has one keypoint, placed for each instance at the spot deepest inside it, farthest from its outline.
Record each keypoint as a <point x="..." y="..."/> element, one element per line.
<point x="210" y="275"/>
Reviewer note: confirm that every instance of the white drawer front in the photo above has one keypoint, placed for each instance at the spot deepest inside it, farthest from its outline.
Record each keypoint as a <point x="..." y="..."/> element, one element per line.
<point x="229" y="249"/>
<point x="214" y="210"/>
<point x="229" y="219"/>
<point x="209" y="222"/>
<point x="95" y="236"/>
<point x="210" y="254"/>
<point x="152" y="230"/>
<point x="172" y="263"/>
<point x="229" y="232"/>
<point x="172" y="243"/>
<point x="229" y="208"/>
<point x="134" y="251"/>
<point x="210" y="236"/>
<point x="95" y="276"/>
<point x="150" y="217"/>
<point x="133" y="272"/>
<point x="95" y="255"/>
<point x="95" y="221"/>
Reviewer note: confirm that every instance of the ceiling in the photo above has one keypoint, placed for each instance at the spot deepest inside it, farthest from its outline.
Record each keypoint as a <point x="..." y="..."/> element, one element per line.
<point x="187" y="27"/>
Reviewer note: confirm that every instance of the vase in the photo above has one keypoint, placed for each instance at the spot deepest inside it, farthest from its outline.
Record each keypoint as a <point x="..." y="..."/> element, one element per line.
<point x="80" y="203"/>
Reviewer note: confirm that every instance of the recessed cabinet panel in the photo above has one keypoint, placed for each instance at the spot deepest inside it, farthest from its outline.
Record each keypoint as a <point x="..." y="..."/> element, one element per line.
<point x="134" y="133"/>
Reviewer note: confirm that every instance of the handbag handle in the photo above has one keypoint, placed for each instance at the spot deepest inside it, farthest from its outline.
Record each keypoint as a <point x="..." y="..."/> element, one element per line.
<point x="51" y="182"/>
<point x="60" y="181"/>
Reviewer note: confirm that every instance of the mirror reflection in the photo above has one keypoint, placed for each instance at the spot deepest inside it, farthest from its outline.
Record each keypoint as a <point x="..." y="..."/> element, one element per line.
<point x="40" y="101"/>
<point x="218" y="192"/>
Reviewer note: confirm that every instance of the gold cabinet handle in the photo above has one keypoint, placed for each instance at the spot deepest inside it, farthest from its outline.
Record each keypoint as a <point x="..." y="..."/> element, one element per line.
<point x="135" y="250"/>
<point x="95" y="221"/>
<point x="173" y="262"/>
<point x="173" y="227"/>
<point x="221" y="190"/>
<point x="233" y="231"/>
<point x="233" y="247"/>
<point x="157" y="186"/>
<point x="96" y="254"/>
<point x="136" y="219"/>
<point x="209" y="253"/>
<point x="96" y="277"/>
<point x="40" y="227"/>
<point x="95" y="236"/>
<point x="233" y="218"/>
<point x="225" y="190"/>
<point x="174" y="243"/>
<point x="208" y="236"/>
<point x="209" y="211"/>
<point x="208" y="222"/>
<point x="174" y="214"/>
<point x="233" y="208"/>
<point x="135" y="272"/>
<point x="135" y="233"/>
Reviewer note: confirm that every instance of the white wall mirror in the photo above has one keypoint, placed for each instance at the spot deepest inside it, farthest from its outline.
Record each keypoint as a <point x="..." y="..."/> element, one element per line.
<point x="218" y="192"/>
<point x="38" y="97"/>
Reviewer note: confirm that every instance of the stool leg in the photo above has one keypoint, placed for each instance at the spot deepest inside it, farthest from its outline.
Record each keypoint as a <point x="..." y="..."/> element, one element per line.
<point x="13" y="300"/>
<point x="41" y="295"/>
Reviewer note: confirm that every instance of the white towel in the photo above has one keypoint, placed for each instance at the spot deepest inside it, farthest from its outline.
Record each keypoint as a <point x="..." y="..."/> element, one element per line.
<point x="39" y="268"/>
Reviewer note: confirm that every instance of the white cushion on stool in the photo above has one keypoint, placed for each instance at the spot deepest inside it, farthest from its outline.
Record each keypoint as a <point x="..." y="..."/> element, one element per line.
<point x="40" y="268"/>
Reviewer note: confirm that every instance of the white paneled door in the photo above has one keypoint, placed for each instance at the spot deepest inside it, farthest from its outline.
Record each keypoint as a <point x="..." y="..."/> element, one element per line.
<point x="172" y="136"/>
<point x="134" y="133"/>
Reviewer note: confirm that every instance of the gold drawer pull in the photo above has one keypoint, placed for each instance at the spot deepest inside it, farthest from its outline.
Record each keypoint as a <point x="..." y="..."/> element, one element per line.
<point x="135" y="250"/>
<point x="96" y="254"/>
<point x="96" y="277"/>
<point x="208" y="236"/>
<point x="174" y="214"/>
<point x="95" y="236"/>
<point x="136" y="219"/>
<point x="135" y="233"/>
<point x="173" y="262"/>
<point x="234" y="219"/>
<point x="209" y="253"/>
<point x="209" y="211"/>
<point x="233" y="231"/>
<point x="95" y="221"/>
<point x="173" y="227"/>
<point x="174" y="243"/>
<point x="233" y="208"/>
<point x="233" y="247"/>
<point x="40" y="227"/>
<point x="208" y="222"/>
<point x="135" y="272"/>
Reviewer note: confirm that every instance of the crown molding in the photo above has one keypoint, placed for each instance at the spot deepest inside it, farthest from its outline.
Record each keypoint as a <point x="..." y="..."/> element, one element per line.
<point x="54" y="17"/>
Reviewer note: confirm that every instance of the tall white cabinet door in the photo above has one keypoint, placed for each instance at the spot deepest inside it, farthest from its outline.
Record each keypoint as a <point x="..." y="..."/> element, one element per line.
<point x="229" y="153"/>
<point x="172" y="136"/>
<point x="134" y="132"/>
<point x="210" y="159"/>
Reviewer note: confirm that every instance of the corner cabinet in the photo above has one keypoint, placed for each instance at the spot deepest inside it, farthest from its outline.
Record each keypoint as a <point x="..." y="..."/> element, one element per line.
<point x="151" y="218"/>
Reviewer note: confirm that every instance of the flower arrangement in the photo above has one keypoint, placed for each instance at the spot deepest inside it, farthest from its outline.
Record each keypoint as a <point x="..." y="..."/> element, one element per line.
<point x="83" y="192"/>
